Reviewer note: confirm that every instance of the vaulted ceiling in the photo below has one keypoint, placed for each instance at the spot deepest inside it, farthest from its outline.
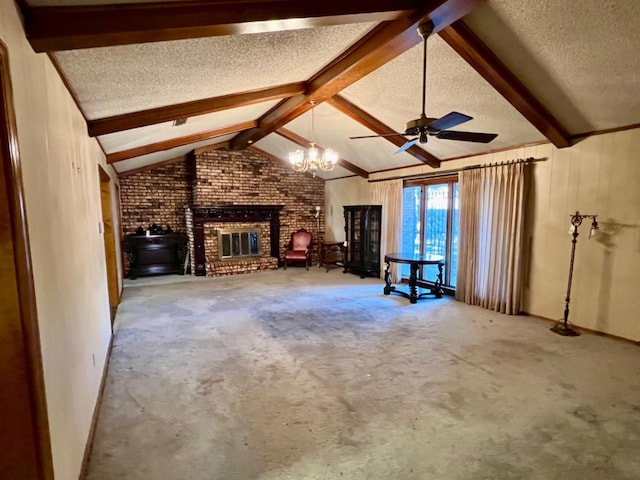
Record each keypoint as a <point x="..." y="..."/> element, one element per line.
<point x="248" y="73"/>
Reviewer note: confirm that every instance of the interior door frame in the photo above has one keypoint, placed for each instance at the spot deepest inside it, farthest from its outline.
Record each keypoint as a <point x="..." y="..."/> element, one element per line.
<point x="109" y="236"/>
<point x="25" y="441"/>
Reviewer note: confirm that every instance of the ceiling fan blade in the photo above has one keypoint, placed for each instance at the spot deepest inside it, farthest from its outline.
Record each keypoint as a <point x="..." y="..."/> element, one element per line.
<point x="375" y="136"/>
<point x="407" y="145"/>
<point x="467" y="136"/>
<point x="449" y="120"/>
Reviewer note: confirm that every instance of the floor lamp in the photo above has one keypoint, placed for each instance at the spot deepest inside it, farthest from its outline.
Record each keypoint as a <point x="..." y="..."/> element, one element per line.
<point x="576" y="221"/>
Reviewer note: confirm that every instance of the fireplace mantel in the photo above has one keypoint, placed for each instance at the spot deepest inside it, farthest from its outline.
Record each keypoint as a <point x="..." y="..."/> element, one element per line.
<point x="233" y="213"/>
<point x="236" y="213"/>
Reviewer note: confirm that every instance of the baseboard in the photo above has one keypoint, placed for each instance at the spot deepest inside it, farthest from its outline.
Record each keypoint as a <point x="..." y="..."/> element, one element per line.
<point x="584" y="329"/>
<point x="96" y="412"/>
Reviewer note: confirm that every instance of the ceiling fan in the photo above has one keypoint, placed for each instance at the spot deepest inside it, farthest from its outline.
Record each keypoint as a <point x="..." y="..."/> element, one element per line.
<point x="425" y="126"/>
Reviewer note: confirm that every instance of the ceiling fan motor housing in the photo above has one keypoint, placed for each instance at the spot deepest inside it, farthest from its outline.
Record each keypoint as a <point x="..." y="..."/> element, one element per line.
<point x="414" y="127"/>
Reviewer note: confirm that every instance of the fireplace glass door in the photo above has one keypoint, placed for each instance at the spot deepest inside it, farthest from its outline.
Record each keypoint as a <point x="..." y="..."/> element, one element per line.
<point x="239" y="243"/>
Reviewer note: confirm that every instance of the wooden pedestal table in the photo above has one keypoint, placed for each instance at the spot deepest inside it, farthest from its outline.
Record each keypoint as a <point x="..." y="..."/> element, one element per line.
<point x="414" y="261"/>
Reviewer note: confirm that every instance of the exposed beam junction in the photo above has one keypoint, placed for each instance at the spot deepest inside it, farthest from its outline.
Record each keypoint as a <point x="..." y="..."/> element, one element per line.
<point x="382" y="44"/>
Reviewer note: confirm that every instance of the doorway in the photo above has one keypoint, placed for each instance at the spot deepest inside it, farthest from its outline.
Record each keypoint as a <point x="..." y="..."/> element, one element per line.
<point x="109" y="237"/>
<point x="25" y="449"/>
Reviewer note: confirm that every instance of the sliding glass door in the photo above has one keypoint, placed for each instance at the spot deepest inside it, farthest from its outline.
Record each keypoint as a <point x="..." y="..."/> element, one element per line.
<point x="430" y="225"/>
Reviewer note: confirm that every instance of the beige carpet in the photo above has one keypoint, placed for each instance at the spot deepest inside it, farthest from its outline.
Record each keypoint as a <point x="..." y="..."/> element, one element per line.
<point x="314" y="375"/>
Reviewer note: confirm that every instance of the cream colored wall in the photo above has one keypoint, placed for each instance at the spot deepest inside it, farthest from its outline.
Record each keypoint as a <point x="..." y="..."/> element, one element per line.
<point x="345" y="191"/>
<point x="62" y="198"/>
<point x="598" y="175"/>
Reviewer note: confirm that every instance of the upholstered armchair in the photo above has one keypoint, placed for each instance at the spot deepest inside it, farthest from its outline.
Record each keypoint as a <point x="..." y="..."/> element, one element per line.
<point x="299" y="249"/>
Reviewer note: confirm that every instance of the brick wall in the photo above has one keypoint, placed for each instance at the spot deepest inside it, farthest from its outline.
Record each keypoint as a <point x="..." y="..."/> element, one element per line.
<point x="222" y="177"/>
<point x="155" y="196"/>
<point x="245" y="177"/>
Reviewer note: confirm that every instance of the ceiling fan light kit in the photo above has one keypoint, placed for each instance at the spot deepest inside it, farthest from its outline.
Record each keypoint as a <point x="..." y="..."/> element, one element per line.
<point x="423" y="127"/>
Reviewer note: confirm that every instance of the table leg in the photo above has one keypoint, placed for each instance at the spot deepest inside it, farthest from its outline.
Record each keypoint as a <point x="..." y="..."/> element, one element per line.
<point x="437" y="288"/>
<point x="387" y="279"/>
<point x="413" y="279"/>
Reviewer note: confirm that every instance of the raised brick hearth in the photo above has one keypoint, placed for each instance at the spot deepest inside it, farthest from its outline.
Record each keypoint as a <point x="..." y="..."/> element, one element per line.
<point x="235" y="267"/>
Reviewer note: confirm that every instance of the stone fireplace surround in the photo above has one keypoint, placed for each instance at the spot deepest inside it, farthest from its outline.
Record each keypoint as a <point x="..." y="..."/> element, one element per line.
<point x="202" y="222"/>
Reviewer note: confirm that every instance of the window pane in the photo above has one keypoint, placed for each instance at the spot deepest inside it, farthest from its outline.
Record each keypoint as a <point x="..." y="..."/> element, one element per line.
<point x="454" y="236"/>
<point x="435" y="232"/>
<point x="429" y="234"/>
<point x="410" y="223"/>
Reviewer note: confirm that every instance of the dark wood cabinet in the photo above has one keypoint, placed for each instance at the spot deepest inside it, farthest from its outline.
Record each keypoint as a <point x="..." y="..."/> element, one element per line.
<point x="155" y="254"/>
<point x="362" y="224"/>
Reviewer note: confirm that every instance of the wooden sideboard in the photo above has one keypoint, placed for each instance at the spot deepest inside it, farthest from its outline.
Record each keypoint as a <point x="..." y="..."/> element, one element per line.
<point x="155" y="254"/>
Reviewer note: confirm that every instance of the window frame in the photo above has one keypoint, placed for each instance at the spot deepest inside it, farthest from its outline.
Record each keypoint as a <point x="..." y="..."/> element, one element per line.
<point x="424" y="183"/>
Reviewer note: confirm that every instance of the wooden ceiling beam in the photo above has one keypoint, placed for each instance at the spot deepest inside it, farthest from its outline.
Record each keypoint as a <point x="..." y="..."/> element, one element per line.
<point x="363" y="118"/>
<point x="382" y="44"/>
<point x="127" y="121"/>
<point x="54" y="28"/>
<point x="177" y="142"/>
<point x="477" y="54"/>
<point x="303" y="142"/>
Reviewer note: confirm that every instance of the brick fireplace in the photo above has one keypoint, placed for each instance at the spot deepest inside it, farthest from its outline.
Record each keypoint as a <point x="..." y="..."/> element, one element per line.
<point x="218" y="180"/>
<point x="204" y="224"/>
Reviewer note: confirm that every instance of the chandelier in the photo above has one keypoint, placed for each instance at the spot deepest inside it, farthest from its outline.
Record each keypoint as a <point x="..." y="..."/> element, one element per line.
<point x="314" y="158"/>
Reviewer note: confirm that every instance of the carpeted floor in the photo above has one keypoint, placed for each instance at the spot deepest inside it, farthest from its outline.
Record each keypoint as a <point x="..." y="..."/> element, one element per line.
<point x="315" y="375"/>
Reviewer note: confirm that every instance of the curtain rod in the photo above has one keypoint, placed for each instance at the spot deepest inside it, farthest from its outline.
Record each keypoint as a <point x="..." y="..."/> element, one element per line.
<point x="445" y="173"/>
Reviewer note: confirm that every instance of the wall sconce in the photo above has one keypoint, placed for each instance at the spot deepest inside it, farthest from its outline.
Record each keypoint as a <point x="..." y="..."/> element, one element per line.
<point x="576" y="221"/>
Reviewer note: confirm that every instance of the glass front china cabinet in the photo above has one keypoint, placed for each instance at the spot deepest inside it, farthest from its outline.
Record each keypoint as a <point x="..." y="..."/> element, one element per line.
<point x="362" y="233"/>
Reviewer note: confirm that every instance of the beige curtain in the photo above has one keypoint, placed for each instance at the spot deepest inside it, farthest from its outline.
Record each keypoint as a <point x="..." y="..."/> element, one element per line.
<point x="389" y="195"/>
<point x="490" y="235"/>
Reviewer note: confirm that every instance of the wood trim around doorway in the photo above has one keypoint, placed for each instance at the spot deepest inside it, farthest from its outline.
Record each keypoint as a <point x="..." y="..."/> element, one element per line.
<point x="28" y="450"/>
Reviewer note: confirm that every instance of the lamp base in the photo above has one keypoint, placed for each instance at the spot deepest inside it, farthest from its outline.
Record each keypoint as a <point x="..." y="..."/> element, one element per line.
<point x="564" y="330"/>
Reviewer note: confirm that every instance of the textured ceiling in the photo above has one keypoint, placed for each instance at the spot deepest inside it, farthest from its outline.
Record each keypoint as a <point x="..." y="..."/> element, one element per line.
<point x="137" y="137"/>
<point x="579" y="60"/>
<point x="393" y="94"/>
<point x="114" y="80"/>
